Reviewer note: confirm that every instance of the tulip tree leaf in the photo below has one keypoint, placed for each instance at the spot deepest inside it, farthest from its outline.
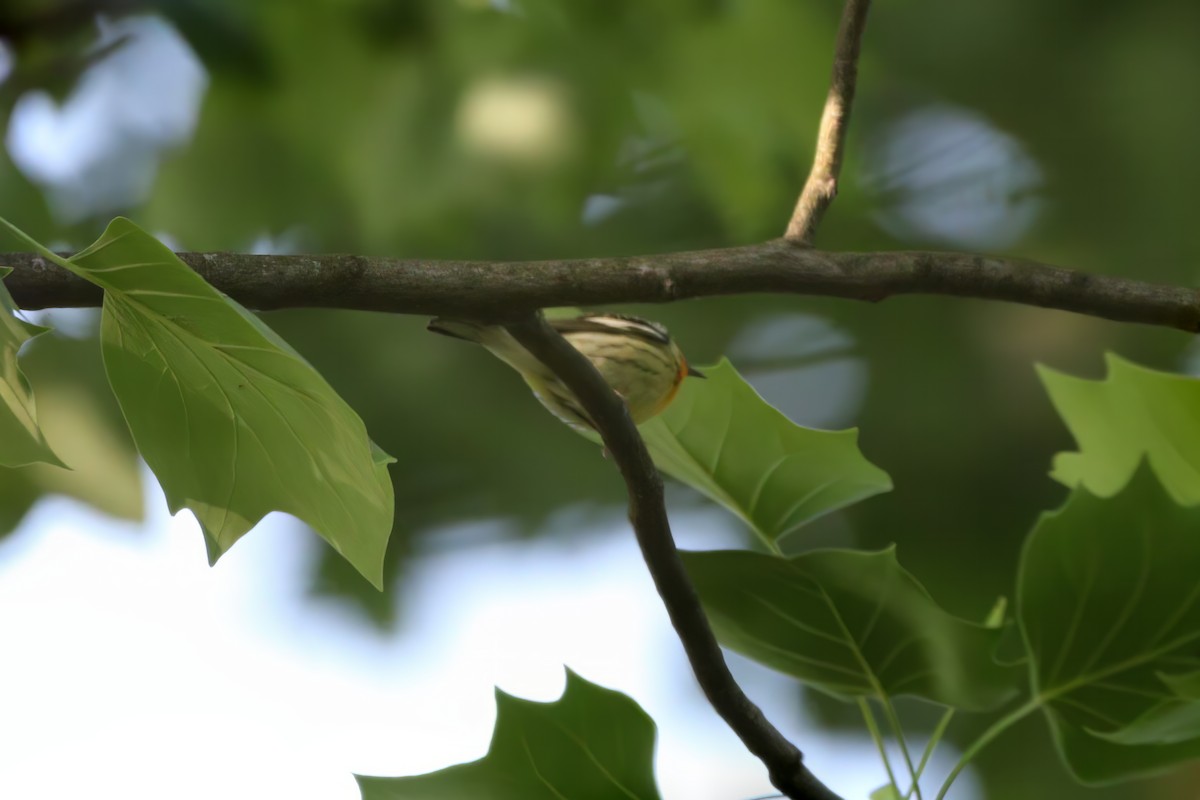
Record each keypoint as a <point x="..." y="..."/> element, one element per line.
<point x="850" y="623"/>
<point x="1134" y="414"/>
<point x="591" y="743"/>
<point x="721" y="438"/>
<point x="21" y="440"/>
<point x="233" y="422"/>
<point x="1109" y="607"/>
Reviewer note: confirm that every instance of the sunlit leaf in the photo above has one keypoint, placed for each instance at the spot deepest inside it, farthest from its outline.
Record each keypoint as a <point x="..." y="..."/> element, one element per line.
<point x="720" y="437"/>
<point x="849" y="623"/>
<point x="1134" y="413"/>
<point x="592" y="743"/>
<point x="21" y="440"/>
<point x="233" y="422"/>
<point x="1109" y="606"/>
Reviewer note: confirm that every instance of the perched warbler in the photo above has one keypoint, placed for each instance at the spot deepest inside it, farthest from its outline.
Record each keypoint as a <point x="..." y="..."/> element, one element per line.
<point x="637" y="357"/>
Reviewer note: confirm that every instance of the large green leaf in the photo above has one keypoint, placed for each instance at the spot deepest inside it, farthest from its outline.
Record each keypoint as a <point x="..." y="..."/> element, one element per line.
<point x="21" y="440"/>
<point x="1109" y="607"/>
<point x="233" y="422"/>
<point x="591" y="744"/>
<point x="1135" y="413"/>
<point x="723" y="439"/>
<point x="850" y="623"/>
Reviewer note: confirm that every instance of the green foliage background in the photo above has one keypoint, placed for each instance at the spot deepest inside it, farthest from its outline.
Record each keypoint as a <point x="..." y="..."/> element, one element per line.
<point x="339" y="125"/>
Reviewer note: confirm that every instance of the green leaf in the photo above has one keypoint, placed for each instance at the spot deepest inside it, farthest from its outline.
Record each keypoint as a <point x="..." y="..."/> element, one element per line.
<point x="105" y="473"/>
<point x="998" y="614"/>
<point x="1134" y="414"/>
<point x="886" y="792"/>
<point x="592" y="743"/>
<point x="233" y="422"/>
<point x="82" y="422"/>
<point x="721" y="438"/>
<point x="1109" y="607"/>
<point x="1172" y="720"/>
<point x="21" y="440"/>
<point x="850" y="623"/>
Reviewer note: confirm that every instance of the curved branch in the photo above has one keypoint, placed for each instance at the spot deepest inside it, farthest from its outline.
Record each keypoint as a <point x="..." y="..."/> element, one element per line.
<point x="503" y="290"/>
<point x="648" y="515"/>
<point x="821" y="187"/>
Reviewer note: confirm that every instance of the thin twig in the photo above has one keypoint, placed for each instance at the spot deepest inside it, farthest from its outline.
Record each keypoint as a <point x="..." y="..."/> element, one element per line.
<point x="822" y="184"/>
<point x="648" y="515"/>
<point x="499" y="290"/>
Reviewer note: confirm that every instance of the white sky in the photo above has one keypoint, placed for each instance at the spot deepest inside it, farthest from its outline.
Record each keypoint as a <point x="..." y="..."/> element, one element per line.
<point x="131" y="669"/>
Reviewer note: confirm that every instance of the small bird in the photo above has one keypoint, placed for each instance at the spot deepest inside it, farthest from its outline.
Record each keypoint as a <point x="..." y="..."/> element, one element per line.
<point x="637" y="357"/>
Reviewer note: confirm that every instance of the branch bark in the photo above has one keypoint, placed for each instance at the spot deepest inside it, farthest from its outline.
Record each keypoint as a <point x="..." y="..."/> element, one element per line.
<point x="504" y="290"/>
<point x="648" y="516"/>
<point x="821" y="187"/>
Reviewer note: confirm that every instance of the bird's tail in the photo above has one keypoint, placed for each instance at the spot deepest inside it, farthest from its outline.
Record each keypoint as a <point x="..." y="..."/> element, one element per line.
<point x="497" y="340"/>
<point x="457" y="328"/>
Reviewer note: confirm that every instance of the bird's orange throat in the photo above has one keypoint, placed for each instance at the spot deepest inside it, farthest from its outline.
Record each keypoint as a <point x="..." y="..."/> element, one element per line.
<point x="669" y="396"/>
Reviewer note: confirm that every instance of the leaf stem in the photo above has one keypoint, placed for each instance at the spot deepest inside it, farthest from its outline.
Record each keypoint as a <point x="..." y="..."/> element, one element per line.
<point x="997" y="728"/>
<point x="889" y="711"/>
<point x="938" y="732"/>
<point x="864" y="706"/>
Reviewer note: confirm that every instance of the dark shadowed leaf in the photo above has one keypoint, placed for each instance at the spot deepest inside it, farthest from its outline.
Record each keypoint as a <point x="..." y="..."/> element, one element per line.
<point x="591" y="744"/>
<point x="82" y="422"/>
<point x="1174" y="719"/>
<point x="850" y="623"/>
<point x="1109" y="605"/>
<point x="21" y="440"/>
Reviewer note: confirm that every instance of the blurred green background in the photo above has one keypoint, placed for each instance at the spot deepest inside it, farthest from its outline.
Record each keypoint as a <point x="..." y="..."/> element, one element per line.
<point x="524" y="129"/>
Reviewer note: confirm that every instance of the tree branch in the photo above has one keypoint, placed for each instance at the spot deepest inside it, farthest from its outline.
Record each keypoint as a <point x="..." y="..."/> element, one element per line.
<point x="821" y="187"/>
<point x="503" y="290"/>
<point x="648" y="515"/>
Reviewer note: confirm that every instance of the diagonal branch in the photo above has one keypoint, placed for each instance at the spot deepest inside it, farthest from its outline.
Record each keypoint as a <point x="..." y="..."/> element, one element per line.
<point x="821" y="187"/>
<point x="648" y="515"/>
<point x="497" y="290"/>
